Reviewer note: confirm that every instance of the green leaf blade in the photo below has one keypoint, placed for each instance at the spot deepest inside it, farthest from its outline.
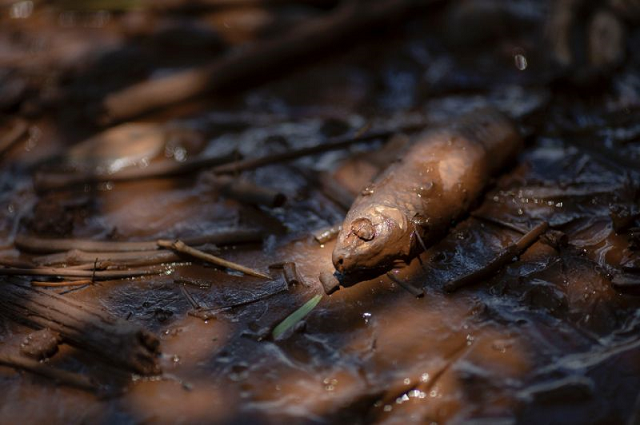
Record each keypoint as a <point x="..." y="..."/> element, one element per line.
<point x="296" y="316"/>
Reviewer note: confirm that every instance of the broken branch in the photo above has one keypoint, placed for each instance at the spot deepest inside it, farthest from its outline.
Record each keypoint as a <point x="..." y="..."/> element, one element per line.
<point x="502" y="259"/>
<point x="180" y="246"/>
<point x="258" y="60"/>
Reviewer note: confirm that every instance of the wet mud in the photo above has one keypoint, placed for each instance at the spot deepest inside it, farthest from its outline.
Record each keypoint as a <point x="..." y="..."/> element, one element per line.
<point x="553" y="336"/>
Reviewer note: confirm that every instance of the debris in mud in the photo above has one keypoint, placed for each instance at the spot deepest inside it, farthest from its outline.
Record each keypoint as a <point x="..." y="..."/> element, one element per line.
<point x="294" y="318"/>
<point x="41" y="344"/>
<point x="248" y="174"/>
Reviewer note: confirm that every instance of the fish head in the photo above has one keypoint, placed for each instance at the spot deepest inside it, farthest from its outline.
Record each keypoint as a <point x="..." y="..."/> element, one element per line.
<point x="373" y="238"/>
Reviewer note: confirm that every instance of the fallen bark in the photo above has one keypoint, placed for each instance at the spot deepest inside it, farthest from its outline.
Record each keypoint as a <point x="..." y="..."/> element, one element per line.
<point x="116" y="341"/>
<point x="262" y="58"/>
<point x="44" y="245"/>
<point x="503" y="258"/>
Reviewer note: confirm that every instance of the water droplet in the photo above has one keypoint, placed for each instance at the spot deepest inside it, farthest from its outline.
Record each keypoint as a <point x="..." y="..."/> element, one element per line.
<point x="520" y="61"/>
<point x="407" y="381"/>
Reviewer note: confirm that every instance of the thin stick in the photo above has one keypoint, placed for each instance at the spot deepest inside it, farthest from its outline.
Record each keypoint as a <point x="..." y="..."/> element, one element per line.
<point x="137" y="258"/>
<point x="406" y="286"/>
<point x="60" y="376"/>
<point x="262" y="58"/>
<point x="44" y="245"/>
<point x="502" y="259"/>
<point x="185" y="249"/>
<point x="336" y="143"/>
<point x="66" y="272"/>
<point x="59" y="284"/>
<point x="45" y="181"/>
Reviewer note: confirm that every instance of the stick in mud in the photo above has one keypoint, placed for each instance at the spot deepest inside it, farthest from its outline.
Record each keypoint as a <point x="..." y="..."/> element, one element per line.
<point x="70" y="272"/>
<point x="58" y="375"/>
<point x="180" y="246"/>
<point x="416" y="292"/>
<point x="45" y="246"/>
<point x="129" y="259"/>
<point x="502" y="259"/>
<point x="263" y="58"/>
<point x="335" y="143"/>
<point x="87" y="327"/>
<point x="64" y="283"/>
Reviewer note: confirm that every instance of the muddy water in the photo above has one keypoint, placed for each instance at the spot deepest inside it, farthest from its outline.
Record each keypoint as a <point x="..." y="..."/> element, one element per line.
<point x="546" y="340"/>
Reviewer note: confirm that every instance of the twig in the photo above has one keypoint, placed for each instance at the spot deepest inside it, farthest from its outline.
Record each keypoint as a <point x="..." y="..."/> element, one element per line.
<point x="60" y="376"/>
<point x="44" y="245"/>
<point x="499" y="223"/>
<point x="503" y="258"/>
<point x="420" y="383"/>
<point x="406" y="286"/>
<point x="185" y="249"/>
<point x="45" y="181"/>
<point x="290" y="273"/>
<point x="135" y="258"/>
<point x="260" y="60"/>
<point x="88" y="327"/>
<point x="66" y="272"/>
<point x="336" y="143"/>
<point x="63" y="283"/>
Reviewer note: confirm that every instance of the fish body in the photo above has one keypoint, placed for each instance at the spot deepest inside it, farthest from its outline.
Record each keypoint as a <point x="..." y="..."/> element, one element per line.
<point x="414" y="201"/>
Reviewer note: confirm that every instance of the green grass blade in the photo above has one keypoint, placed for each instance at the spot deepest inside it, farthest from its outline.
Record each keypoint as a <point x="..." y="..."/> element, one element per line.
<point x="296" y="316"/>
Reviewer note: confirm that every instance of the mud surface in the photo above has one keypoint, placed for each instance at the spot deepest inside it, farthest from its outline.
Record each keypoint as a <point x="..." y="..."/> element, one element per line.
<point x="552" y="338"/>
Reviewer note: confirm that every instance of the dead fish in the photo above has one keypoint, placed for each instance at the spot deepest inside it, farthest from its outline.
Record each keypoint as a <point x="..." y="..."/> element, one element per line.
<point x="414" y="202"/>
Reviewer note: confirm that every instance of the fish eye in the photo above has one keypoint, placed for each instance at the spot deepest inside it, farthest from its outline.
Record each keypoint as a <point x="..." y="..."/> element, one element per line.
<point x="363" y="229"/>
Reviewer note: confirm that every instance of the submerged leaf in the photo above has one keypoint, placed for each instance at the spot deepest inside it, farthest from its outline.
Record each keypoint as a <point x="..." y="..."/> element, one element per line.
<point x="296" y="316"/>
